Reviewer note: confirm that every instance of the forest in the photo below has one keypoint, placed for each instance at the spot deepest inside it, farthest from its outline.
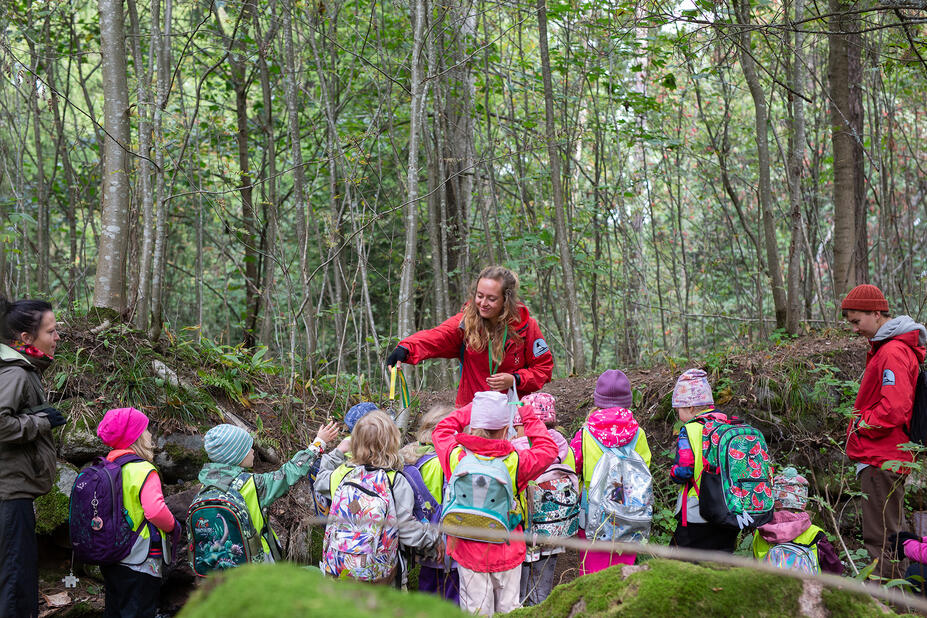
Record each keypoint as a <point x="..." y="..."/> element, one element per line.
<point x="322" y="178"/>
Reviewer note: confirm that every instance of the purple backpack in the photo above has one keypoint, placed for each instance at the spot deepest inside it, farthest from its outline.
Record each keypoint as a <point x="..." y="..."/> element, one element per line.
<point x="426" y="508"/>
<point x="101" y="531"/>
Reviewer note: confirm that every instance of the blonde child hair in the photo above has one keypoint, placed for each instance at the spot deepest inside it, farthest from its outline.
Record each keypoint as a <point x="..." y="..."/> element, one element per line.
<point x="411" y="452"/>
<point x="144" y="446"/>
<point x="375" y="442"/>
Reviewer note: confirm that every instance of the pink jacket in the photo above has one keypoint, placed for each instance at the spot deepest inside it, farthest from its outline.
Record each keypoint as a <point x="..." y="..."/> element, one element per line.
<point x="563" y="447"/>
<point x="151" y="497"/>
<point x="612" y="427"/>
<point x="476" y="555"/>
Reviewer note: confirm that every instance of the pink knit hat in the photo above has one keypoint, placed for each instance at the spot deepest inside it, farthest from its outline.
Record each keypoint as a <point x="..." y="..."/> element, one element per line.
<point x="692" y="389"/>
<point x="543" y="404"/>
<point x="120" y="428"/>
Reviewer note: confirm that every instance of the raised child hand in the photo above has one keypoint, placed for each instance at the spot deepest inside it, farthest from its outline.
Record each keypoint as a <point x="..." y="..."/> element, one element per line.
<point x="327" y="432"/>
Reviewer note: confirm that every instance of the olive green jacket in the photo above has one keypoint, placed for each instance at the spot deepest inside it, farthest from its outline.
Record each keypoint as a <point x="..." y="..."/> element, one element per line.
<point x="27" y="450"/>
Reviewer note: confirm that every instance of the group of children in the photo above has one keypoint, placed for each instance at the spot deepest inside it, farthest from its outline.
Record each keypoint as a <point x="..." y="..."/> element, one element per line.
<point x="463" y="463"/>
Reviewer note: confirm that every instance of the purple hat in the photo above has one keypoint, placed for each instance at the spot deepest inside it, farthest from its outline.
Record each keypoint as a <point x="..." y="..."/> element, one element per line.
<point x="613" y="390"/>
<point x="692" y="389"/>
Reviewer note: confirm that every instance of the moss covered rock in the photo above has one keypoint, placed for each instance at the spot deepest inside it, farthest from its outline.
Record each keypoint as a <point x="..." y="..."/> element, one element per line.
<point x="52" y="509"/>
<point x="670" y="588"/>
<point x="285" y="590"/>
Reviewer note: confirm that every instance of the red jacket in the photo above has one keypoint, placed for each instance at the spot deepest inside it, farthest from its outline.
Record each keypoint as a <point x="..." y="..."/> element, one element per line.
<point x="493" y="557"/>
<point x="885" y="400"/>
<point x="529" y="359"/>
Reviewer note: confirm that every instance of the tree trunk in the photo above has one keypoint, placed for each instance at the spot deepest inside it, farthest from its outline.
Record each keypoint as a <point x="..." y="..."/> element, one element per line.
<point x="290" y="78"/>
<point x="761" y="121"/>
<point x="270" y="184"/>
<point x="109" y="288"/>
<point x="158" y="257"/>
<point x="563" y="237"/>
<point x="143" y="74"/>
<point x="841" y="56"/>
<point x="410" y="218"/>
<point x="795" y="165"/>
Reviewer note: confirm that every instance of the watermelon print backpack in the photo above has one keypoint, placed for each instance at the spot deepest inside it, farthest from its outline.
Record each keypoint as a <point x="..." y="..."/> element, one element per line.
<point x="362" y="536"/>
<point x="793" y="556"/>
<point x="736" y="482"/>
<point x="553" y="502"/>
<point x="221" y="532"/>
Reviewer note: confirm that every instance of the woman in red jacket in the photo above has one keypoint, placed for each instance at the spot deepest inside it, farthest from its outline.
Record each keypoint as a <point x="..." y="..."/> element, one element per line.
<point x="499" y="344"/>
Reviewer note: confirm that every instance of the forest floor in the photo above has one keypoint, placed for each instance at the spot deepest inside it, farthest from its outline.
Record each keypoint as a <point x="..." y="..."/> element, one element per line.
<point x="792" y="389"/>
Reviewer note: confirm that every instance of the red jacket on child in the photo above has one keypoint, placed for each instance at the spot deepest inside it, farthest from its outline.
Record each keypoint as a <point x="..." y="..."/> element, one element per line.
<point x="886" y="394"/>
<point x="529" y="360"/>
<point x="477" y="555"/>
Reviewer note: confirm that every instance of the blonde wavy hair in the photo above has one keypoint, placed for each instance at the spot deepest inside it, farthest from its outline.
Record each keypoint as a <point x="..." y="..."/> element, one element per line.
<point x="478" y="331"/>
<point x="412" y="451"/>
<point x="375" y="442"/>
<point x="144" y="446"/>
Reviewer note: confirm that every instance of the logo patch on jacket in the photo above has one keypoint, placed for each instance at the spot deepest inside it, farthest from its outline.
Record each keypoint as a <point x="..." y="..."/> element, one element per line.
<point x="888" y="378"/>
<point x="540" y="347"/>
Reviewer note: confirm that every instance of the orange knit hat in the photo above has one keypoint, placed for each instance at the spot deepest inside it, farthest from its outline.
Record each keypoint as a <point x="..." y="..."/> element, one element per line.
<point x="865" y="298"/>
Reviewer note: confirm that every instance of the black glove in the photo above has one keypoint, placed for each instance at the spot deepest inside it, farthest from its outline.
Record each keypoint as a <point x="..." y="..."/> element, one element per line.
<point x="399" y="355"/>
<point x="896" y="542"/>
<point x="54" y="416"/>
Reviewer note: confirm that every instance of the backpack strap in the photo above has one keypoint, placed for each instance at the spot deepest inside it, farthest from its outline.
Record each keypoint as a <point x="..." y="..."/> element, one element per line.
<point x="413" y="474"/>
<point x="266" y="533"/>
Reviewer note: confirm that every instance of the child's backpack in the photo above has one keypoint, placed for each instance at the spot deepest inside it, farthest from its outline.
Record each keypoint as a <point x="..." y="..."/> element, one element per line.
<point x="426" y="508"/>
<point x="917" y="429"/>
<point x="553" y="502"/>
<point x="221" y="532"/>
<point x="619" y="500"/>
<point x="101" y="531"/>
<point x="320" y="502"/>
<point x="793" y="556"/>
<point x="479" y="494"/>
<point x="736" y="483"/>
<point x="362" y="536"/>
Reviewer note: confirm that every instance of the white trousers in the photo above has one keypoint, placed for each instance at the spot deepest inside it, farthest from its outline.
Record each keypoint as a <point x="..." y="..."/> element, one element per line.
<point x="489" y="593"/>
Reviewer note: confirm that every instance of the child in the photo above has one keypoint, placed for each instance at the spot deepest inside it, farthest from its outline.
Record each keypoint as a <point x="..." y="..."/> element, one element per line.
<point x="537" y="572"/>
<point x="367" y="492"/>
<point x="133" y="586"/>
<point x="357" y="412"/>
<point x="911" y="547"/>
<point x="490" y="572"/>
<point x="792" y="525"/>
<point x="695" y="407"/>
<point x="423" y="471"/>
<point x="612" y="425"/>
<point x="231" y="455"/>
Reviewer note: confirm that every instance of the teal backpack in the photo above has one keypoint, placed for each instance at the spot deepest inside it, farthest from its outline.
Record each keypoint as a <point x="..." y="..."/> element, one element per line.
<point x="221" y="533"/>
<point x="479" y="494"/>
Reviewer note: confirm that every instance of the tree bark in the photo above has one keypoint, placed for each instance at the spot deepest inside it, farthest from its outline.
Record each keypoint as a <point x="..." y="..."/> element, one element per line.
<point x="410" y="219"/>
<point x="109" y="288"/>
<point x="795" y="166"/>
<point x="761" y="122"/>
<point x="563" y="237"/>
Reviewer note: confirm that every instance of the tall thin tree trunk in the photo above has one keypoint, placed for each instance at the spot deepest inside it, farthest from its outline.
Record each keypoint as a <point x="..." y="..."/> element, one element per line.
<point x="563" y="237"/>
<point x="162" y="41"/>
<point x="290" y="79"/>
<point x="761" y="121"/>
<point x="41" y="190"/>
<point x="796" y="160"/>
<point x="269" y="185"/>
<point x="109" y="288"/>
<point x="410" y="219"/>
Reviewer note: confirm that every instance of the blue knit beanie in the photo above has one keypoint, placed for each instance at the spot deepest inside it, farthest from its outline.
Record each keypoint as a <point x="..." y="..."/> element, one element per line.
<point x="358" y="412"/>
<point x="227" y="444"/>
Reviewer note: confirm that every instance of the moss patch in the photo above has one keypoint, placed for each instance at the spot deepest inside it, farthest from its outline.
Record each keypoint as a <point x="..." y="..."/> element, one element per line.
<point x="670" y="588"/>
<point x="283" y="590"/>
<point x="51" y="511"/>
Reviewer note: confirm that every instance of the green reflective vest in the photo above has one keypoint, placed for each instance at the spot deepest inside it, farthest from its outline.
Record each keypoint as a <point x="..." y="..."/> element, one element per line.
<point x="761" y="547"/>
<point x="134" y="475"/>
